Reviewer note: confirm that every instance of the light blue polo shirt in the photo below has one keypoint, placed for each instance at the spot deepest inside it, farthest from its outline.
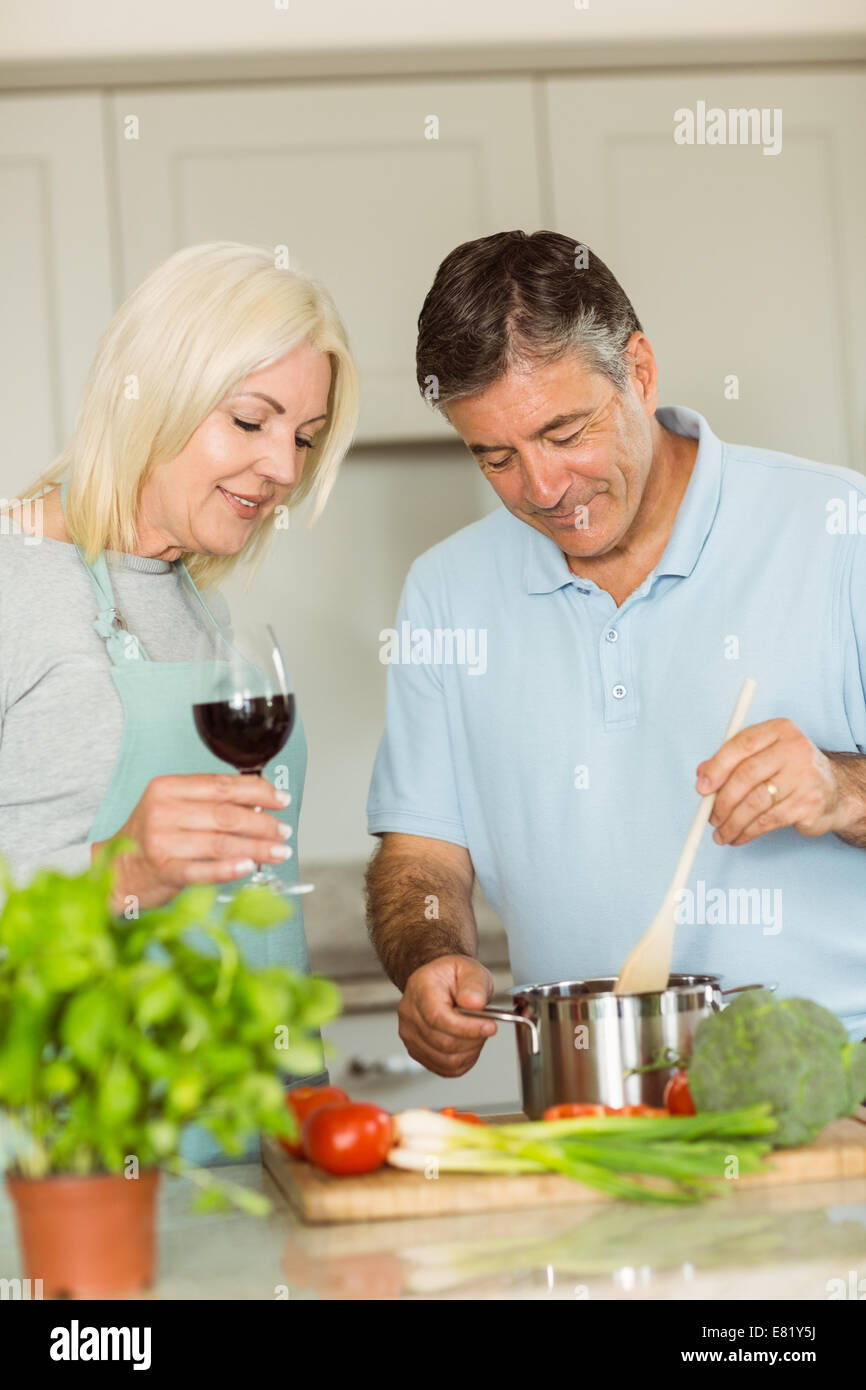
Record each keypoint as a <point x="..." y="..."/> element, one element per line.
<point x="556" y="736"/>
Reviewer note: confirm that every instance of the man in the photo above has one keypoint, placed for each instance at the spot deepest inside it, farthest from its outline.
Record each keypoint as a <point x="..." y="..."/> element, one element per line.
<point x="637" y="571"/>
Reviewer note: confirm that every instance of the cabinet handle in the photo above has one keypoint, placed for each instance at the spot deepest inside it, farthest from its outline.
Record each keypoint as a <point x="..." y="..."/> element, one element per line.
<point x="384" y="1066"/>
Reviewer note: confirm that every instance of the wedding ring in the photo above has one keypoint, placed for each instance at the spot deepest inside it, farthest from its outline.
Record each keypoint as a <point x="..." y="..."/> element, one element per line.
<point x="773" y="790"/>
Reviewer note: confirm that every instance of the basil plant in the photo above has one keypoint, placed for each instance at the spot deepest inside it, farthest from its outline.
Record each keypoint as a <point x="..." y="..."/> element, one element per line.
<point x="116" y="1034"/>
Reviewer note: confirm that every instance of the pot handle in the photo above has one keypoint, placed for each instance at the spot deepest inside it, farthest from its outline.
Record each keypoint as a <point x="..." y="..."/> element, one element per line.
<point x="506" y="1016"/>
<point x="738" y="989"/>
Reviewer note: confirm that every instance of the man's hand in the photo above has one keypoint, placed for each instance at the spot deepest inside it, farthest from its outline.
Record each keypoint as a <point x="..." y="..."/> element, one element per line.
<point x="773" y="757"/>
<point x="432" y="1030"/>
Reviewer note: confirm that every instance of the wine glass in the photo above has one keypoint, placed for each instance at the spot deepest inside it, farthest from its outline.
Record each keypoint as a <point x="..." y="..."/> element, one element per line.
<point x="244" y="710"/>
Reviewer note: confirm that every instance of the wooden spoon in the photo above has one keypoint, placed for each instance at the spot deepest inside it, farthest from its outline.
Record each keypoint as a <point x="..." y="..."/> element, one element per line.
<point x="648" y="965"/>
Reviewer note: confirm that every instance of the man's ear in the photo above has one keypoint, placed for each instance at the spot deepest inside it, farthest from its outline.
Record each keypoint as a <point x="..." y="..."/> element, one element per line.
<point x="644" y="371"/>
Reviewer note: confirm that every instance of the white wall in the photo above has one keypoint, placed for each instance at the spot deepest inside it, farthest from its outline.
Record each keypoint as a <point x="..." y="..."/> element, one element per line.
<point x="329" y="591"/>
<point x="31" y="30"/>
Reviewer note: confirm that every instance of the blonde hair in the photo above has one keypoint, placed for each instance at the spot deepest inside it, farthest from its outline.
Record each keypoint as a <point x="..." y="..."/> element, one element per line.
<point x="203" y="320"/>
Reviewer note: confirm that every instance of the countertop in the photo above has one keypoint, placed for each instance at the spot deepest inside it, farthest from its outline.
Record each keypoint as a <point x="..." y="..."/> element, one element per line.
<point x="806" y="1242"/>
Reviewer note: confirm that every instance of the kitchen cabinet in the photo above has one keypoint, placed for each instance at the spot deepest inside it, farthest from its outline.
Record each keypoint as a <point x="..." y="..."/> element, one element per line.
<point x="740" y="263"/>
<point x="55" y="272"/>
<point x="744" y="267"/>
<point x="368" y="185"/>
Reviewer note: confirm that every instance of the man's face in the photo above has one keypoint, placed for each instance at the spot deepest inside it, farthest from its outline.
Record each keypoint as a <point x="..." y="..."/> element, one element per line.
<point x="564" y="450"/>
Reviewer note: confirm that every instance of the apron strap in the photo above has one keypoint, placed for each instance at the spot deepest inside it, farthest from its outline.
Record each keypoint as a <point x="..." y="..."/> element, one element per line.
<point x="122" y="645"/>
<point x="179" y="564"/>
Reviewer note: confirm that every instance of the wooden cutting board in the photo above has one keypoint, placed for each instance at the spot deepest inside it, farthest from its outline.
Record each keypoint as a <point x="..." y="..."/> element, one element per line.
<point x="839" y="1151"/>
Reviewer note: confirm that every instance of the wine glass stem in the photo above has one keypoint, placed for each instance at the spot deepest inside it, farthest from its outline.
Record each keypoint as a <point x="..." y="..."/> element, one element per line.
<point x="254" y="772"/>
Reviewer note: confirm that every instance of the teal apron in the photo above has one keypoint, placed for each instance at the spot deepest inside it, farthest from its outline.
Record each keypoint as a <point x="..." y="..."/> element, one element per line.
<point x="160" y="739"/>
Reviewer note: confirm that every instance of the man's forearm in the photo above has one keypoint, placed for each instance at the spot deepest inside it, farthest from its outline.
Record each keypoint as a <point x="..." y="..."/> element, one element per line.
<point x="850" y="769"/>
<point x="417" y="912"/>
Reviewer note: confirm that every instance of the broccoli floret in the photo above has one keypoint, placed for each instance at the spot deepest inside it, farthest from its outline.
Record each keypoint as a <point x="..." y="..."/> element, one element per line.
<point x="854" y="1054"/>
<point x="790" y="1052"/>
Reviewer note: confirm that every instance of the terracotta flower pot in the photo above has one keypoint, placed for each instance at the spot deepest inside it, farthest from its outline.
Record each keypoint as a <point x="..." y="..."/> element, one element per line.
<point x="87" y="1237"/>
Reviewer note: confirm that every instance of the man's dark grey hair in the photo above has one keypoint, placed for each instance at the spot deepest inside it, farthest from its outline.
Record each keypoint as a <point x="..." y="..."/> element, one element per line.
<point x="519" y="300"/>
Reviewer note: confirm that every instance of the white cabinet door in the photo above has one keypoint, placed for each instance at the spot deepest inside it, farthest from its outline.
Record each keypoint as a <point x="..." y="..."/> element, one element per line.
<point x="343" y="175"/>
<point x="55" y="280"/>
<point x="738" y="263"/>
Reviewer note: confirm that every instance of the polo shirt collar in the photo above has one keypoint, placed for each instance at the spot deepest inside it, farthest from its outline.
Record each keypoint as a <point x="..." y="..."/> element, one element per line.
<point x="546" y="568"/>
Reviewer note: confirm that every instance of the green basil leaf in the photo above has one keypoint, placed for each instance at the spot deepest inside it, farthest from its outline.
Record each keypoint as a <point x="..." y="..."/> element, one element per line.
<point x="163" y="1136"/>
<point x="257" y="907"/>
<point x="254" y="1203"/>
<point x="158" y="999"/>
<point x="58" y="1078"/>
<point x="301" y="1057"/>
<point x="317" y="1001"/>
<point x="211" y="1199"/>
<point x="90" y="1024"/>
<point x="185" y="1092"/>
<point x="119" y="1093"/>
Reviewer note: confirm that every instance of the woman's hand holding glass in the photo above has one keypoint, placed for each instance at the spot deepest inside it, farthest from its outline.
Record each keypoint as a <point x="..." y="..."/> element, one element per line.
<point x="198" y="828"/>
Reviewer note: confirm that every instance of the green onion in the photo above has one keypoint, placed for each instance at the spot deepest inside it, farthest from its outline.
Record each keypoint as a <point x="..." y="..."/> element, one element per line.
<point x="684" y="1157"/>
<point x="753" y="1119"/>
<point x="464" y="1161"/>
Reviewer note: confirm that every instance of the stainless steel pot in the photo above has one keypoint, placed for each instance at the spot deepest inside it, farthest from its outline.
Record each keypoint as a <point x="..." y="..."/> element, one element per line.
<point x="578" y="1041"/>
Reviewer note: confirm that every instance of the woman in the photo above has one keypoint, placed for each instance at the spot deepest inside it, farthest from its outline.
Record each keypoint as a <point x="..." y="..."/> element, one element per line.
<point x="223" y="389"/>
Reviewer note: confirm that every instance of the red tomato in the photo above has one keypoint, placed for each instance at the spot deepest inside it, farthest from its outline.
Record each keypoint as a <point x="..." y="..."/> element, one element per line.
<point x="573" y="1111"/>
<point x="678" y="1097"/>
<point x="641" y="1110"/>
<point x="465" y="1115"/>
<point x="348" y="1137"/>
<point x="302" y="1101"/>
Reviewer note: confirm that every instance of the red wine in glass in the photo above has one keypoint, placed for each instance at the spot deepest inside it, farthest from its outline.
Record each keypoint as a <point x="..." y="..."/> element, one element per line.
<point x="245" y="710"/>
<point x="247" y="732"/>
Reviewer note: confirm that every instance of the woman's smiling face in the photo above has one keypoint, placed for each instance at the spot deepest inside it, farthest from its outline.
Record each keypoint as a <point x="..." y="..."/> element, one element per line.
<point x="242" y="462"/>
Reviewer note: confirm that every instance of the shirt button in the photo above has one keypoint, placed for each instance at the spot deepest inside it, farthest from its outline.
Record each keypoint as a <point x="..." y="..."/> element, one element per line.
<point x="611" y="634"/>
<point x="619" y="692"/>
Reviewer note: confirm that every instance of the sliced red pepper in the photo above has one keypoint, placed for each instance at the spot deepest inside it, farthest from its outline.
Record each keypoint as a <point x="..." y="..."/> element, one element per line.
<point x="574" y="1111"/>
